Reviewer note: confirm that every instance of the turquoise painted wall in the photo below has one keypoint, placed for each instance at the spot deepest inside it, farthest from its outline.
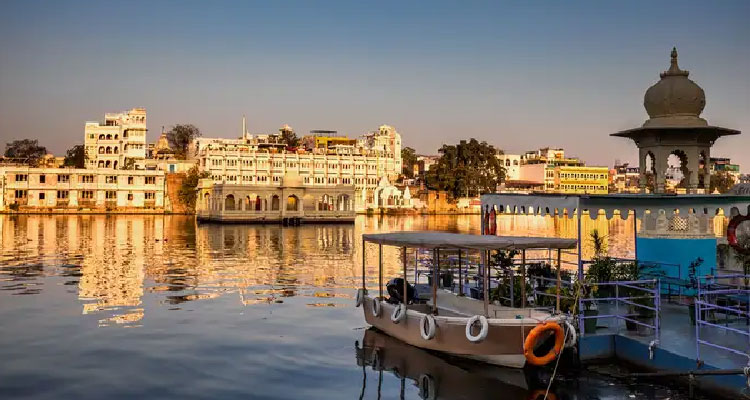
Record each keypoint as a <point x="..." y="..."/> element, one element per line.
<point x="678" y="251"/>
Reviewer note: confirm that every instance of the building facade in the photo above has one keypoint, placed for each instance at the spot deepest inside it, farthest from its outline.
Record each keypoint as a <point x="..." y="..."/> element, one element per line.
<point x="549" y="170"/>
<point x="118" y="141"/>
<point x="581" y="180"/>
<point x="71" y="189"/>
<point x="264" y="160"/>
<point x="290" y="202"/>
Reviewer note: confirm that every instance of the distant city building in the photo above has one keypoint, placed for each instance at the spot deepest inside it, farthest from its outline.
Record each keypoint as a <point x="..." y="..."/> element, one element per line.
<point x="76" y="189"/>
<point x="725" y="165"/>
<point x="118" y="141"/>
<point x="624" y="178"/>
<point x="290" y="202"/>
<point x="548" y="170"/>
<point x="332" y="160"/>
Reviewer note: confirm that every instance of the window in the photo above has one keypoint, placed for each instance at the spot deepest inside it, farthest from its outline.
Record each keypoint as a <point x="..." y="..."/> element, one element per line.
<point x="20" y="194"/>
<point x="62" y="194"/>
<point x="111" y="179"/>
<point x="110" y="195"/>
<point x="87" y="178"/>
<point x="22" y="177"/>
<point x="42" y="178"/>
<point x="150" y="195"/>
<point x="63" y="178"/>
<point x="87" y="194"/>
<point x="41" y="196"/>
<point x="130" y="196"/>
<point x="131" y="180"/>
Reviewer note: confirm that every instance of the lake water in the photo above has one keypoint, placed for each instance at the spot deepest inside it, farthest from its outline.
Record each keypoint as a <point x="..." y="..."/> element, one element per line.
<point x="122" y="307"/>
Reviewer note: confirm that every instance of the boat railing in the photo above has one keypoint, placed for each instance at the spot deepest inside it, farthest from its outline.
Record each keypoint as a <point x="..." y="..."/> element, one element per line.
<point x="637" y="303"/>
<point x="728" y="295"/>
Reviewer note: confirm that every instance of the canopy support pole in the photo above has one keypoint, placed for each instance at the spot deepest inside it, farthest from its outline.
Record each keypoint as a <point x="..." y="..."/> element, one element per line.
<point x="523" y="278"/>
<point x="486" y="291"/>
<point x="635" y="235"/>
<point x="460" y="277"/>
<point x="435" y="273"/>
<point x="580" y="270"/>
<point x="380" y="270"/>
<point x="406" y="284"/>
<point x="364" y="246"/>
<point x="559" y="261"/>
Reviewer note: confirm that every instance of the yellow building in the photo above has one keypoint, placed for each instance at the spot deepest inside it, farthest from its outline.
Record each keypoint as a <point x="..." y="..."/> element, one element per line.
<point x="581" y="180"/>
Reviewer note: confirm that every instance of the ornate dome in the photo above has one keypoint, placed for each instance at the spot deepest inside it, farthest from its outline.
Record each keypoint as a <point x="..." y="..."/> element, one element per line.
<point x="674" y="101"/>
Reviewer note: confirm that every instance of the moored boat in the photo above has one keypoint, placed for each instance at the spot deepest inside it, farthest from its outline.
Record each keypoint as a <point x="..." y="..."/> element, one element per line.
<point x="455" y="324"/>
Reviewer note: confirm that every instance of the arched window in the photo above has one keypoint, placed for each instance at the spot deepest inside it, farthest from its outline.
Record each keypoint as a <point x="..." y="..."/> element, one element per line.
<point x="275" y="203"/>
<point x="115" y="150"/>
<point x="229" y="203"/>
<point x="101" y="137"/>
<point x="107" y="164"/>
<point x="109" y="150"/>
<point x="101" y="150"/>
<point x="292" y="203"/>
<point x="101" y="164"/>
<point x="114" y="165"/>
<point x="207" y="201"/>
<point x="343" y="203"/>
<point x="115" y="136"/>
<point x="109" y="137"/>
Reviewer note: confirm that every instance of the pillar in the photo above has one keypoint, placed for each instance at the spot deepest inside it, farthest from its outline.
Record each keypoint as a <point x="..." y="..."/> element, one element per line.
<point x="642" y="181"/>
<point x="693" y="167"/>
<point x="660" y="163"/>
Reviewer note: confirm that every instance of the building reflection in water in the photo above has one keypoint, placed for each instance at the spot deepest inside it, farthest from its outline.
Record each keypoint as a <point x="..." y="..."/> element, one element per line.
<point x="113" y="261"/>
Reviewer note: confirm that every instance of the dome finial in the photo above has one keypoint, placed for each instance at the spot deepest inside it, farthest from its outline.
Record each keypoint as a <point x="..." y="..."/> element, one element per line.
<point x="674" y="69"/>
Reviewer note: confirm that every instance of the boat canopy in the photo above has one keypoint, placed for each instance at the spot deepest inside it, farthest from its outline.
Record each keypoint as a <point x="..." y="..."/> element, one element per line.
<point x="445" y="240"/>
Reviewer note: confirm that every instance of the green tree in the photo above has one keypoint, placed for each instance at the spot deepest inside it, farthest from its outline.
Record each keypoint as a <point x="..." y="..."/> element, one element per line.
<point x="75" y="156"/>
<point x="408" y="160"/>
<point x="27" y="150"/>
<point x="466" y="169"/>
<point x="289" y="137"/>
<point x="179" y="138"/>
<point x="187" y="193"/>
<point x="721" y="181"/>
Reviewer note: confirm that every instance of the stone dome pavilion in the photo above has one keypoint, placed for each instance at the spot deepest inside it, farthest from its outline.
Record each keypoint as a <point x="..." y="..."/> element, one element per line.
<point x="674" y="105"/>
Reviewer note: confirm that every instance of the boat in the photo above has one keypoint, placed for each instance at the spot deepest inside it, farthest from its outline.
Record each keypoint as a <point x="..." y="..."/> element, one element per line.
<point x="459" y="325"/>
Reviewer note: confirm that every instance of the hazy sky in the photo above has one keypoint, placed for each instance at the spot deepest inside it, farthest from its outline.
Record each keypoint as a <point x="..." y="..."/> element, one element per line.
<point x="519" y="75"/>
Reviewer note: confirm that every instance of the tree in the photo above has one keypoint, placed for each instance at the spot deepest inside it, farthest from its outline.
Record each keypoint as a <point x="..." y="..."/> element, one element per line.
<point x="721" y="181"/>
<point x="25" y="149"/>
<point x="467" y="169"/>
<point x="289" y="137"/>
<point x="408" y="160"/>
<point x="186" y="193"/>
<point x="179" y="138"/>
<point x="75" y="156"/>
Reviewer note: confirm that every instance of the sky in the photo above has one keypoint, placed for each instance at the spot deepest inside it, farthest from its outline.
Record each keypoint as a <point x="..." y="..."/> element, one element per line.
<point x="517" y="74"/>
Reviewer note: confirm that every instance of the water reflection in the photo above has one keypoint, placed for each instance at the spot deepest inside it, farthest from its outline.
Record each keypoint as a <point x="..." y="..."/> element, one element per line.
<point x="436" y="377"/>
<point x="113" y="261"/>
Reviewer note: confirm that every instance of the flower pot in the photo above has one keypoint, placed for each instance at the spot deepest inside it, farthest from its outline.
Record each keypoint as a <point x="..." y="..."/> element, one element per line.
<point x="589" y="324"/>
<point x="644" y="330"/>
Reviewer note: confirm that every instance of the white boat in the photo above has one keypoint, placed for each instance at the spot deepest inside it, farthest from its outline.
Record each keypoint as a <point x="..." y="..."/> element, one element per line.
<point x="462" y="326"/>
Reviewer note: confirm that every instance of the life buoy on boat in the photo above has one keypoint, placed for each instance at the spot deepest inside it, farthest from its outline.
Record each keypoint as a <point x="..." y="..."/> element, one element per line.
<point x="541" y="394"/>
<point x="533" y="337"/>
<point x="484" y="328"/>
<point x="399" y="313"/>
<point x="571" y="337"/>
<point x="427" y="326"/>
<point x="427" y="389"/>
<point x="360" y="297"/>
<point x="375" y="307"/>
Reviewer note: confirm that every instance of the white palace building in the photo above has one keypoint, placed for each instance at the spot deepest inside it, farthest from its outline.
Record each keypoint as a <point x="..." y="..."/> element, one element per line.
<point x="326" y="161"/>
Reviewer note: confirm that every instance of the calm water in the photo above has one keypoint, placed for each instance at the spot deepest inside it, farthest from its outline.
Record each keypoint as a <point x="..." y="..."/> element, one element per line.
<point x="159" y="307"/>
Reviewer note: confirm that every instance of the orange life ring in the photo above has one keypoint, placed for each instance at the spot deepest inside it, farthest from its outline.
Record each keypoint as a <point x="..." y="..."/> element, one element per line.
<point x="539" y="394"/>
<point x="531" y="339"/>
